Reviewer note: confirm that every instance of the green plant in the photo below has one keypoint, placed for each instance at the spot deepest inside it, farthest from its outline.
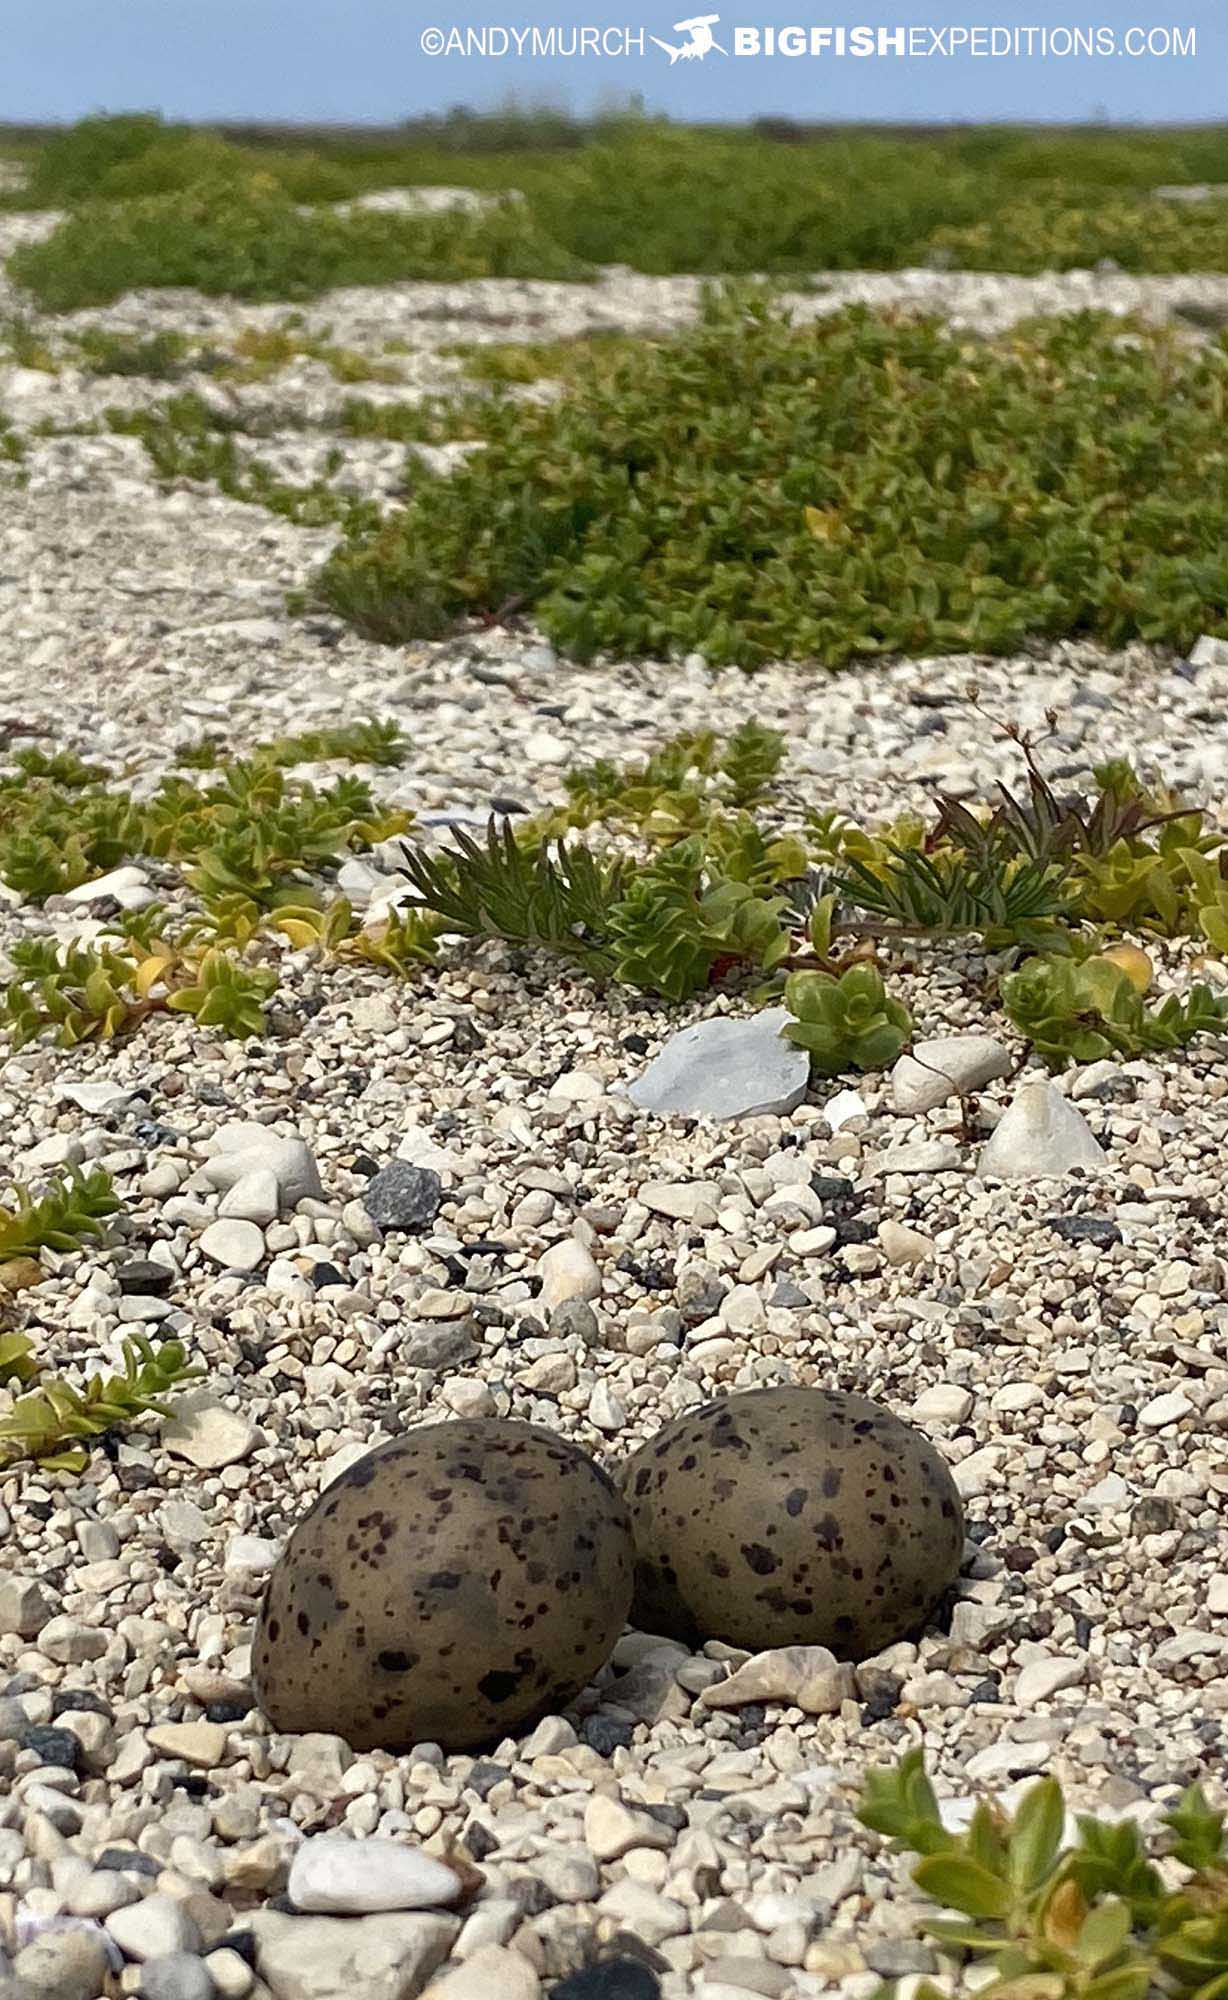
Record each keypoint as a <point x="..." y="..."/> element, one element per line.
<point x="226" y="994"/>
<point x="17" y="1362"/>
<point x="850" y="1022"/>
<point x="45" y="1424"/>
<point x="243" y="235"/>
<point x="69" y="1214"/>
<point x="947" y="891"/>
<point x="161" y="356"/>
<point x="1082" y="1011"/>
<point x="755" y="490"/>
<point x="1045" y="1920"/>
<point x="84" y="993"/>
<point x="497" y="889"/>
<point x="403" y="941"/>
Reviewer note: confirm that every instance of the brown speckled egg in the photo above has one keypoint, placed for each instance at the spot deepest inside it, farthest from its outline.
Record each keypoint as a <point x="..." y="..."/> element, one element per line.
<point x="791" y="1517"/>
<point x="449" y="1587"/>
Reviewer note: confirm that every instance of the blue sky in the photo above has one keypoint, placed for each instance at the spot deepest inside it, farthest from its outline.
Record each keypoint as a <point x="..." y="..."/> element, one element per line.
<point x="362" y="60"/>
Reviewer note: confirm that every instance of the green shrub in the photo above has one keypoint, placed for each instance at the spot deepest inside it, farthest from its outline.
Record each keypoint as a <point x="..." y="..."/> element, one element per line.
<point x="74" y="164"/>
<point x="755" y="490"/>
<point x="248" y="239"/>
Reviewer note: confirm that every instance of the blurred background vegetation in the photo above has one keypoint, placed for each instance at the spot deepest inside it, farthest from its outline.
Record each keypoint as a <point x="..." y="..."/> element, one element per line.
<point x="773" y="197"/>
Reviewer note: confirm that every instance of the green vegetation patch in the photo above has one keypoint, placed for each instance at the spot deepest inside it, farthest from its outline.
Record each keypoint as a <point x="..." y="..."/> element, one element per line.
<point x="758" y="490"/>
<point x="775" y="198"/>
<point x="248" y="239"/>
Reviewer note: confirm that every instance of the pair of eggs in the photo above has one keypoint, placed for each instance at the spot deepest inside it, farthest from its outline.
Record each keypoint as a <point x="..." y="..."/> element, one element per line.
<point x="469" y="1576"/>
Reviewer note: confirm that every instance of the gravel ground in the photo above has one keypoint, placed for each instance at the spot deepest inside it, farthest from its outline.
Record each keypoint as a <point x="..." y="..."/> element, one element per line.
<point x="1074" y="1379"/>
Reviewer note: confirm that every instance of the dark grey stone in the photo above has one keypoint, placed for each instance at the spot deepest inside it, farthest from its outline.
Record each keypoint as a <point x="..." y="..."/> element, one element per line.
<point x="401" y="1196"/>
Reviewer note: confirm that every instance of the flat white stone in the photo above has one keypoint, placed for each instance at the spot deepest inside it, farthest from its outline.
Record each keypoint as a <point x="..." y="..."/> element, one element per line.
<point x="725" y="1069"/>
<point x="207" y="1434"/>
<point x="335" y="1877"/>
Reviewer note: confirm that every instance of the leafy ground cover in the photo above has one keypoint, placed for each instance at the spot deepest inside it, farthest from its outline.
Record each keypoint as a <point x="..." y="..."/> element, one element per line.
<point x="663" y="878"/>
<point x="757" y="490"/>
<point x="248" y="238"/>
<point x="172" y="205"/>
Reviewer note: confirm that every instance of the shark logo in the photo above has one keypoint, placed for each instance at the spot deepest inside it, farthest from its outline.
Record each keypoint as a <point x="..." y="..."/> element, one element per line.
<point x="702" y="41"/>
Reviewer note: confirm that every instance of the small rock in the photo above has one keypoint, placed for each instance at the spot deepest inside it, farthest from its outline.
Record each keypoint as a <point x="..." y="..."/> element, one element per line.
<point x="24" y="1607"/>
<point x="255" y="1197"/>
<point x="386" y="1957"/>
<point x="332" y="1876"/>
<point x="63" y="1965"/>
<point x="157" y="1928"/>
<point x="807" y="1677"/>
<point x="236" y="1151"/>
<point x="924" y="1156"/>
<point x="201" y="1744"/>
<point x="1040" y="1137"/>
<point x="1098" y="1229"/>
<point x="843" y="1109"/>
<point x="492" y="1973"/>
<point x="612" y="1829"/>
<point x="402" y="1196"/>
<point x="1042" y="1678"/>
<point x="948" y="1066"/>
<point x="179" y="1976"/>
<point x="69" y="1642"/>
<point x="1162" y="1410"/>
<point x="567" y="1272"/>
<point x="945" y="1403"/>
<point x="682" y="1201"/>
<point x="612" y="1979"/>
<point x="724" y="1069"/>
<point x="207" y="1434"/>
<point x="121" y="883"/>
<point x="232" y="1976"/>
<point x="574" y="1319"/>
<point x="234" y="1246"/>
<point x="903" y="1246"/>
<point x="141" y="1279"/>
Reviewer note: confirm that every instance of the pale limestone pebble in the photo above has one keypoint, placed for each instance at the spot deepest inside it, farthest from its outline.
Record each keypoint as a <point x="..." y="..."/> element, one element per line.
<point x="331" y="1876"/>
<point x="567" y="1271"/>
<point x="492" y="1973"/>
<point x="947" y="1066"/>
<point x="239" y="1150"/>
<point x="805" y="1677"/>
<point x="233" y="1245"/>
<point x="1041" y="1136"/>
<point x="385" y="1957"/>
<point x="206" y="1433"/>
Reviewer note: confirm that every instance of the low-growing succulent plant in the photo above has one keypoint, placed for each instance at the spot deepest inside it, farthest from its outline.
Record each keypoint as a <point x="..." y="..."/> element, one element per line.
<point x="17" y="1360"/>
<point x="402" y="941"/>
<point x="1039" y="1918"/>
<point x="1074" y="1011"/>
<point x="226" y="994"/>
<point x="56" y="1423"/>
<point x="70" y="1212"/>
<point x="847" y="1023"/>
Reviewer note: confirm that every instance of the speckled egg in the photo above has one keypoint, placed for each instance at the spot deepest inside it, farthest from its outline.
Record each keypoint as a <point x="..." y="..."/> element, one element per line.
<point x="449" y="1588"/>
<point x="791" y="1517"/>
